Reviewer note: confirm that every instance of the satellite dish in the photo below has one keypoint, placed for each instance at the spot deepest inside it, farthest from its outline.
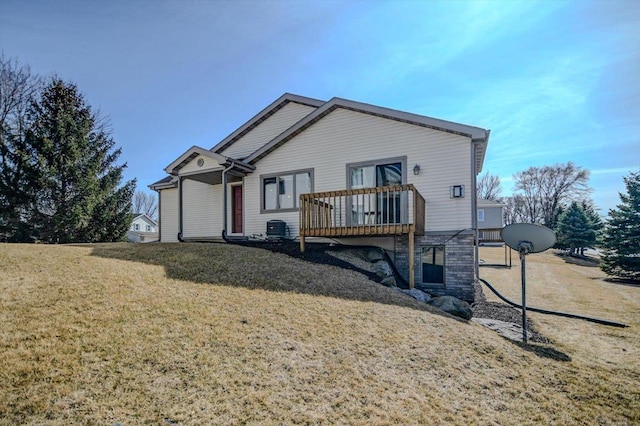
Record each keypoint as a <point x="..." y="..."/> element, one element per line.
<point x="529" y="237"/>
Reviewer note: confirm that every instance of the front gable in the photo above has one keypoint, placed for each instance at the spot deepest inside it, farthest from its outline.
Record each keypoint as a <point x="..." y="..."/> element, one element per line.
<point x="278" y="122"/>
<point x="199" y="164"/>
<point x="267" y="124"/>
<point x="142" y="221"/>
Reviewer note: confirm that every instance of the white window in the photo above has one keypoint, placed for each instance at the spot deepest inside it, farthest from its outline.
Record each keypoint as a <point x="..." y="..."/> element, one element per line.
<point x="136" y="227"/>
<point x="148" y="228"/>
<point x="282" y="191"/>
<point x="480" y="215"/>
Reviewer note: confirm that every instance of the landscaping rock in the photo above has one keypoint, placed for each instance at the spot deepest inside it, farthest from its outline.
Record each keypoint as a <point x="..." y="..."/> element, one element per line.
<point x="374" y="255"/>
<point x="453" y="306"/>
<point x="389" y="282"/>
<point x="418" y="295"/>
<point x="382" y="269"/>
<point x="507" y="329"/>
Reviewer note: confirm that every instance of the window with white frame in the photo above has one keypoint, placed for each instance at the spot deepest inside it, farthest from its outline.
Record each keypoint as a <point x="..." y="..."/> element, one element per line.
<point x="281" y="192"/>
<point x="136" y="227"/>
<point x="148" y="228"/>
<point x="480" y="215"/>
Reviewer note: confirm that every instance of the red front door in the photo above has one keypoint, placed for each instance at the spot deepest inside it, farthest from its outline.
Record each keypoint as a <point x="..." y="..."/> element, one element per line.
<point x="236" y="210"/>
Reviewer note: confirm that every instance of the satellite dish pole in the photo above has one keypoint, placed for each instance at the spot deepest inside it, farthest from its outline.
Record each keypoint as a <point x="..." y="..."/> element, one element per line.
<point x="524" y="247"/>
<point x="527" y="238"/>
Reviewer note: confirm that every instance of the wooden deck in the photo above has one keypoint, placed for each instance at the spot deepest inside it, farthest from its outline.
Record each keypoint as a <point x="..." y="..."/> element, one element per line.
<point x="365" y="212"/>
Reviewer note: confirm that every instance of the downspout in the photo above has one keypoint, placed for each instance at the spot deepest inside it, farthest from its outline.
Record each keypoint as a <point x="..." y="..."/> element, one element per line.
<point x="159" y="216"/>
<point x="224" y="199"/>
<point x="474" y="205"/>
<point x="180" y="209"/>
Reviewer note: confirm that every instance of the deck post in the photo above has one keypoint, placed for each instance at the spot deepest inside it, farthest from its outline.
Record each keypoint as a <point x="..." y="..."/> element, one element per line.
<point x="301" y="243"/>
<point x="412" y="255"/>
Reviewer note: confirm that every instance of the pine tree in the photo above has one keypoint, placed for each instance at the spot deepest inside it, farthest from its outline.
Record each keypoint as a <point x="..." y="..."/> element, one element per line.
<point x="79" y="197"/>
<point x="622" y="233"/>
<point x="18" y="87"/>
<point x="575" y="230"/>
<point x="596" y="221"/>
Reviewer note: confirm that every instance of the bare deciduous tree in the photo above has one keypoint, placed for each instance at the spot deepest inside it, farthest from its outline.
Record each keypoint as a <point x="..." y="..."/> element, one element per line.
<point x="514" y="210"/>
<point x="545" y="189"/>
<point x="488" y="187"/>
<point x="144" y="202"/>
<point x="18" y="87"/>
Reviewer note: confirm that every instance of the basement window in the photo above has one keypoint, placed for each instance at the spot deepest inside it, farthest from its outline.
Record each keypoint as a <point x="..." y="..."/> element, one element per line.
<point x="433" y="265"/>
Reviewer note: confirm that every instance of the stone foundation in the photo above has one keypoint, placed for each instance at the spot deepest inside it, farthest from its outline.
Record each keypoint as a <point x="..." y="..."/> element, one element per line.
<point x="459" y="270"/>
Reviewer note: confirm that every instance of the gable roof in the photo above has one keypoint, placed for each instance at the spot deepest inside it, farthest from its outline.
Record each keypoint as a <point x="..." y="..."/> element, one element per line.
<point x="479" y="137"/>
<point x="476" y="134"/>
<point x="483" y="202"/>
<point x="267" y="112"/>
<point x="196" y="151"/>
<point x="145" y="217"/>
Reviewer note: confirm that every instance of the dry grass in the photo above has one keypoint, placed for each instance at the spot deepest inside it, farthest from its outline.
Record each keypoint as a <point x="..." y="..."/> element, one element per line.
<point x="214" y="334"/>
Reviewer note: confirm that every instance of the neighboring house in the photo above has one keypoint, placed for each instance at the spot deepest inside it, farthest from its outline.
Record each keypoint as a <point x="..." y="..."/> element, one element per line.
<point x="490" y="220"/>
<point x="341" y="171"/>
<point x="143" y="229"/>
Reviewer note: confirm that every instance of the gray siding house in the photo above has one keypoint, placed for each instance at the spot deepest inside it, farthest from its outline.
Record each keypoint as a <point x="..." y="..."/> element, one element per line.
<point x="490" y="214"/>
<point x="341" y="171"/>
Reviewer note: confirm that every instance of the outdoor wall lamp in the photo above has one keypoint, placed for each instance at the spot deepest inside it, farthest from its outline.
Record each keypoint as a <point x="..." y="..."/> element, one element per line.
<point x="457" y="191"/>
<point x="416" y="169"/>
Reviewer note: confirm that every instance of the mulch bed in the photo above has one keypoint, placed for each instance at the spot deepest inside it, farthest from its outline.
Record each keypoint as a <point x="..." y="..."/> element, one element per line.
<point x="503" y="312"/>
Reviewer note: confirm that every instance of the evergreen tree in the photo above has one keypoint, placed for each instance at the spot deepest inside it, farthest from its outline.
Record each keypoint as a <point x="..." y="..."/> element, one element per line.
<point x="79" y="197"/>
<point x="18" y="87"/>
<point x="575" y="230"/>
<point x="595" y="219"/>
<point x="622" y="233"/>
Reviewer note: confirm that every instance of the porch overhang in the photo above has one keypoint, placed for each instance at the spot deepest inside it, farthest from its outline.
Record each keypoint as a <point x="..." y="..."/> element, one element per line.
<point x="214" y="176"/>
<point x="211" y="174"/>
<point x="221" y="163"/>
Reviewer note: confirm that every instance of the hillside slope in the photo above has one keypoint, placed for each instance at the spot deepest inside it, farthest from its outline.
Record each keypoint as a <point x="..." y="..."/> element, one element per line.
<point x="217" y="334"/>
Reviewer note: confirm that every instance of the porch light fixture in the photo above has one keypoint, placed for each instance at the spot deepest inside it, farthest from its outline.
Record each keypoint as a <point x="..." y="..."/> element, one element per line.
<point x="457" y="191"/>
<point x="416" y="169"/>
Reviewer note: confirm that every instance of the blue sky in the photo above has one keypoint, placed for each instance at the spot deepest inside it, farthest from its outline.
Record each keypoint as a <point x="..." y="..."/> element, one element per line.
<point x="555" y="81"/>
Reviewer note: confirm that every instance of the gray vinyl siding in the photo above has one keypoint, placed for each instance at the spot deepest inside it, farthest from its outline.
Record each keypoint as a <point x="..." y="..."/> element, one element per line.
<point x="201" y="209"/>
<point x="346" y="136"/>
<point x="169" y="215"/>
<point x="492" y="218"/>
<point x="284" y="118"/>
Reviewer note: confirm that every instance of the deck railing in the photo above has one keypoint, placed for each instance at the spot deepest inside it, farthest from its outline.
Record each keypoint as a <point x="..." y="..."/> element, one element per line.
<point x="387" y="210"/>
<point x="491" y="235"/>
